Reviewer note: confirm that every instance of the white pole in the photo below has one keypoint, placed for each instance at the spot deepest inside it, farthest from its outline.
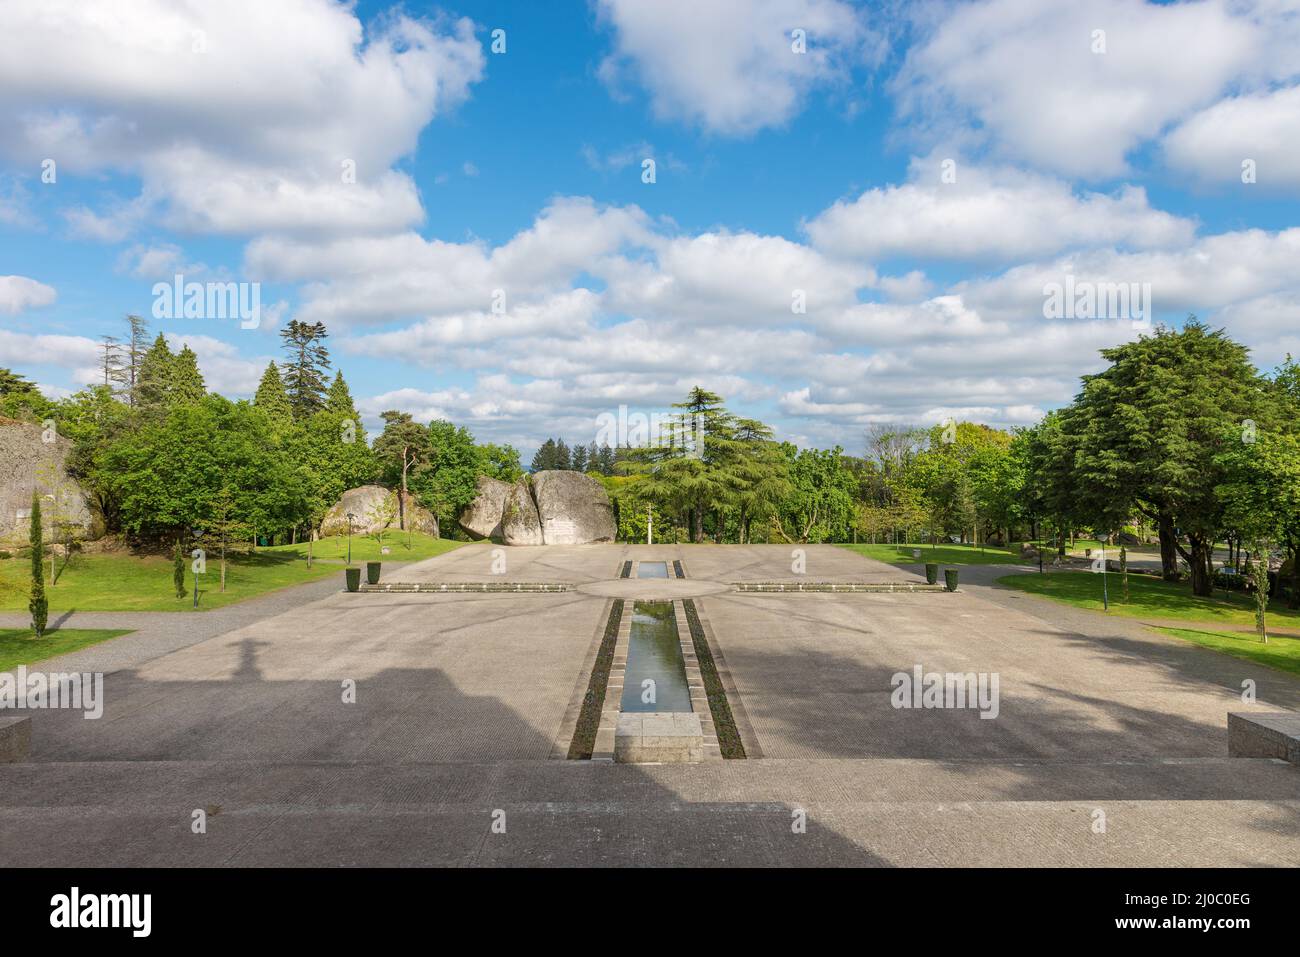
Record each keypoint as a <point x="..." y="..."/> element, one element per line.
<point x="649" y="525"/>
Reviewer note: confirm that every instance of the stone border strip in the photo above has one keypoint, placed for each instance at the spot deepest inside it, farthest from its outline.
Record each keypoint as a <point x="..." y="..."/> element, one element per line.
<point x="590" y="690"/>
<point x="838" y="586"/>
<point x="584" y="685"/>
<point x="700" y="702"/>
<point x="609" y="709"/>
<point x="446" y="587"/>
<point x="738" y="733"/>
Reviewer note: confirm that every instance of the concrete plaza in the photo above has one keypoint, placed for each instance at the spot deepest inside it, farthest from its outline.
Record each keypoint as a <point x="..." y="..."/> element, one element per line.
<point x="464" y="704"/>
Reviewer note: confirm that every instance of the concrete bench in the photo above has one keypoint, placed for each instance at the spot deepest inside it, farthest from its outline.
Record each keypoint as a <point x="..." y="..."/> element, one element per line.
<point x="658" y="737"/>
<point x="15" y="739"/>
<point x="1264" y="735"/>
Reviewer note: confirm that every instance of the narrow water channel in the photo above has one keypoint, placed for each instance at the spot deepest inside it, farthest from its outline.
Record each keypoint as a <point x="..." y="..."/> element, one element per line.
<point x="654" y="653"/>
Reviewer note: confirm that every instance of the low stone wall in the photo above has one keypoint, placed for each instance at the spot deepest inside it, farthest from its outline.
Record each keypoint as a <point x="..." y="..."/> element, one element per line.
<point x="838" y="586"/>
<point x="1264" y="735"/>
<point x="436" y="587"/>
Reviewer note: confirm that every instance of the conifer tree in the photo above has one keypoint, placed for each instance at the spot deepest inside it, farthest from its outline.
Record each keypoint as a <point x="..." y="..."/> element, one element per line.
<point x="154" y="380"/>
<point x="306" y="367"/>
<point x="271" y="397"/>
<point x="38" y="605"/>
<point x="339" y="399"/>
<point x="187" y="382"/>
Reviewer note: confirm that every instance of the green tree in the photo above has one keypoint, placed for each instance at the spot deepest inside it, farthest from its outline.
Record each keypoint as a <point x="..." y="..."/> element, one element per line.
<point x="187" y="382"/>
<point x="821" y="505"/>
<point x="500" y="462"/>
<point x="690" y="473"/>
<point x="271" y="396"/>
<point x="401" y="447"/>
<point x="1261" y="496"/>
<point x="155" y="376"/>
<point x="1149" y="430"/>
<point x="306" y="368"/>
<point x="20" y="399"/>
<point x="38" y="605"/>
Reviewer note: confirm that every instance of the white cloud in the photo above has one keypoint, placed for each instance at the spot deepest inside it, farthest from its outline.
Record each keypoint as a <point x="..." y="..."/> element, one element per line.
<point x="728" y="65"/>
<point x="1265" y="127"/>
<point x="71" y="352"/>
<point x="18" y="293"/>
<point x="238" y="116"/>
<point x="990" y="215"/>
<point x="1025" y="73"/>
<point x="160" y="261"/>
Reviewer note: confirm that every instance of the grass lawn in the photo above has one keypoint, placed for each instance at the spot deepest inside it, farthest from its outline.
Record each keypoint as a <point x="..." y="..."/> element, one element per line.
<point x="1149" y="598"/>
<point x="943" y="554"/>
<point x="18" y="647"/>
<point x="366" y="549"/>
<point x="1280" y="652"/>
<point x="124" y="582"/>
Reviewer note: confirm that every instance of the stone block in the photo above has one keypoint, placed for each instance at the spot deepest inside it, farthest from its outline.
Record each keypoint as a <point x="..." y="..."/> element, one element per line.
<point x="1264" y="735"/>
<point x="15" y="739"/>
<point x="658" y="737"/>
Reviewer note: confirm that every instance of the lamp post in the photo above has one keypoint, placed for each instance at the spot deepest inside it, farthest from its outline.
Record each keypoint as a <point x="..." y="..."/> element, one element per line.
<point x="350" y="519"/>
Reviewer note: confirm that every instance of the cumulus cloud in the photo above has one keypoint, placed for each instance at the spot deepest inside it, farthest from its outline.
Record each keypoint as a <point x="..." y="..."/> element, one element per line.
<point x="18" y="293"/>
<point x="237" y="117"/>
<point x="70" y="352"/>
<point x="1264" y="127"/>
<point x="990" y="214"/>
<point x="729" y="65"/>
<point x="1025" y="73"/>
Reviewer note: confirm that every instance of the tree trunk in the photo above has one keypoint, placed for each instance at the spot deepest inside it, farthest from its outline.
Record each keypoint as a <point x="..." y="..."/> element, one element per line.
<point x="1168" y="549"/>
<point x="697" y="524"/>
<point x="1293" y="600"/>
<point x="401" y="502"/>
<point x="1199" y="563"/>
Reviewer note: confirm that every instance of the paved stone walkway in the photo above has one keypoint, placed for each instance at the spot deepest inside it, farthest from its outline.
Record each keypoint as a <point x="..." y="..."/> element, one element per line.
<point x="460" y="697"/>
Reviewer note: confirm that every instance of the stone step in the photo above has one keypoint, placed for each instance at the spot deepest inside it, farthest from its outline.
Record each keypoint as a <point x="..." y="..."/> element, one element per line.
<point x="456" y="587"/>
<point x="128" y="784"/>
<point x="839" y="586"/>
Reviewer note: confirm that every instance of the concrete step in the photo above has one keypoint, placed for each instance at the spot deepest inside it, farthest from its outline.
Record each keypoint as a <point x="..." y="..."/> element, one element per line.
<point x="841" y="782"/>
<point x="1243" y="812"/>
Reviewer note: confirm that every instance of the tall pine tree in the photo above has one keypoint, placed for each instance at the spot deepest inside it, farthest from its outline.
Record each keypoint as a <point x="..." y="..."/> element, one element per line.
<point x="306" y="368"/>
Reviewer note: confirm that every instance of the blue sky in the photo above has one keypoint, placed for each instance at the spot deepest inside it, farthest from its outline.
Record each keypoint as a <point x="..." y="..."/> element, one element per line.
<point x="207" y="139"/>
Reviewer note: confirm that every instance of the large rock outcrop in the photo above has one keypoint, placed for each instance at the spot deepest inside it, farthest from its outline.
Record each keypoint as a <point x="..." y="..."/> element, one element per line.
<point x="546" y="508"/>
<point x="482" y="517"/>
<point x="375" y="508"/>
<point x="574" y="508"/>
<point x="520" y="524"/>
<point x="35" y="458"/>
